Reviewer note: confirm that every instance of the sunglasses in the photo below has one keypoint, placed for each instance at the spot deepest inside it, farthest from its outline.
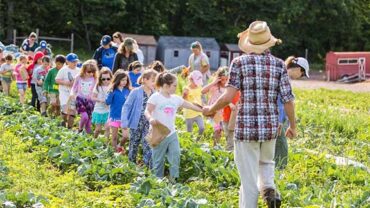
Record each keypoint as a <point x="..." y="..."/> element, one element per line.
<point x="105" y="79"/>
<point x="90" y="72"/>
<point x="115" y="37"/>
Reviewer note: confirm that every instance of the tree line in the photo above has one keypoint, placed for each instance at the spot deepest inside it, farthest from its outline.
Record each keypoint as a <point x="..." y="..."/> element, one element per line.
<point x="316" y="25"/>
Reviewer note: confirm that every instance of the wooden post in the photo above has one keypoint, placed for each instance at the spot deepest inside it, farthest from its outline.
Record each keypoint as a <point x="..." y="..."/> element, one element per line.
<point x="72" y="42"/>
<point x="15" y="37"/>
<point x="38" y="34"/>
<point x="306" y="54"/>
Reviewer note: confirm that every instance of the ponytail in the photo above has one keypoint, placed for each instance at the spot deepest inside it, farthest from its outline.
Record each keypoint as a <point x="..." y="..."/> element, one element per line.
<point x="165" y="78"/>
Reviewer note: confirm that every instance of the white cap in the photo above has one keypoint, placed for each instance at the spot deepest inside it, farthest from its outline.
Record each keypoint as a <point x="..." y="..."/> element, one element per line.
<point x="302" y="62"/>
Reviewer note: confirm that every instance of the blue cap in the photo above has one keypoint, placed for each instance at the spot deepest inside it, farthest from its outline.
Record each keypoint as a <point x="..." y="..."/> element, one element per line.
<point x="106" y="39"/>
<point x="43" y="44"/>
<point x="72" y="57"/>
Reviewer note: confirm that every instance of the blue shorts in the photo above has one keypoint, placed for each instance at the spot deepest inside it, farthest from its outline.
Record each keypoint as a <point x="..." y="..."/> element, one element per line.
<point x="22" y="86"/>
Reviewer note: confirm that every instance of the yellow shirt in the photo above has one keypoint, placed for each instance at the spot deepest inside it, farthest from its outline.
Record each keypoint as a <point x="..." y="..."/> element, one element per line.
<point x="194" y="96"/>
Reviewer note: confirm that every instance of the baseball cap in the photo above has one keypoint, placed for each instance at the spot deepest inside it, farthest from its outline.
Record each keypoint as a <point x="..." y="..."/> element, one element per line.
<point x="106" y="39"/>
<point x="72" y="57"/>
<point x="43" y="44"/>
<point x="302" y="62"/>
<point x="197" y="77"/>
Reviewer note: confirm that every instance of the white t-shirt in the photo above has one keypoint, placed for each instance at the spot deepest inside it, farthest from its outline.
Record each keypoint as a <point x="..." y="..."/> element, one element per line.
<point x="66" y="74"/>
<point x="165" y="109"/>
<point x="140" y="56"/>
<point x="102" y="95"/>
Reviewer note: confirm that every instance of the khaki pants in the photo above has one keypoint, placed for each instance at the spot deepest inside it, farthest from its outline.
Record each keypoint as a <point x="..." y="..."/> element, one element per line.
<point x="256" y="170"/>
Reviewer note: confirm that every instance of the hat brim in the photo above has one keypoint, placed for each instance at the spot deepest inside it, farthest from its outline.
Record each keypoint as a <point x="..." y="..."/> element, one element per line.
<point x="248" y="47"/>
<point x="75" y="60"/>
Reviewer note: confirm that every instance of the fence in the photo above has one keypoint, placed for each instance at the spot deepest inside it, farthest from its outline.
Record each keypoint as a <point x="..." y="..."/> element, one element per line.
<point x="71" y="39"/>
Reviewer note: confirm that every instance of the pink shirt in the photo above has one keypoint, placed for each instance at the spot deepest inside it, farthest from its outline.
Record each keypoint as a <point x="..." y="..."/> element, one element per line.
<point x="17" y="73"/>
<point x="215" y="92"/>
<point x="83" y="87"/>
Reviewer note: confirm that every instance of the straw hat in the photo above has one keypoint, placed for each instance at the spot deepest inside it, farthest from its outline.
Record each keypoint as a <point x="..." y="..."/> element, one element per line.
<point x="257" y="38"/>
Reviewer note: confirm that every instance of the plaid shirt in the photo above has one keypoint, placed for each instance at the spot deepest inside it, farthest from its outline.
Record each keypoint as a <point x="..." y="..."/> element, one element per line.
<point x="260" y="78"/>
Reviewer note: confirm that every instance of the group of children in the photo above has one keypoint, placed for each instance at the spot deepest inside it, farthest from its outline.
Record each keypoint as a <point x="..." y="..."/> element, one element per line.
<point x="128" y="101"/>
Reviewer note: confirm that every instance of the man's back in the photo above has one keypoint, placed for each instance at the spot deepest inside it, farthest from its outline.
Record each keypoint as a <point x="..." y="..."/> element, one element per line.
<point x="260" y="78"/>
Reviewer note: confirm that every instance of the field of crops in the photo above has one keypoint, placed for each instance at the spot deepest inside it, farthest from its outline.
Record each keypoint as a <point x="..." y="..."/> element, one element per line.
<point x="42" y="164"/>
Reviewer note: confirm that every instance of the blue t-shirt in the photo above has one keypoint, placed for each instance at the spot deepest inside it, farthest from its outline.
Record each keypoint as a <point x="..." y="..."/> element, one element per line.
<point x="133" y="78"/>
<point x="108" y="57"/>
<point x="115" y="100"/>
<point x="282" y="116"/>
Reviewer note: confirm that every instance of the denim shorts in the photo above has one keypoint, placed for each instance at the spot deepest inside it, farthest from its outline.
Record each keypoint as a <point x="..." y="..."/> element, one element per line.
<point x="22" y="86"/>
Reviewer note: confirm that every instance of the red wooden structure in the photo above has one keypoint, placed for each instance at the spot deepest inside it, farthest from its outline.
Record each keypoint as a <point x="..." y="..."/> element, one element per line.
<point x="347" y="64"/>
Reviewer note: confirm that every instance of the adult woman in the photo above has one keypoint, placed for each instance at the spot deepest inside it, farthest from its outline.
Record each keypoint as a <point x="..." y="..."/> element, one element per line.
<point x="29" y="45"/>
<point x="199" y="60"/>
<point x="117" y="39"/>
<point x="125" y="55"/>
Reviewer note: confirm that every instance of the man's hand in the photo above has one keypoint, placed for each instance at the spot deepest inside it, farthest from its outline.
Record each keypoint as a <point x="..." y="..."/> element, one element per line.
<point x="291" y="133"/>
<point x="207" y="111"/>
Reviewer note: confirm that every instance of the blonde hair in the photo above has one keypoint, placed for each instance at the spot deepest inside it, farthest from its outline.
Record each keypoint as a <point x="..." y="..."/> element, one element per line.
<point x="103" y="70"/>
<point x="89" y="65"/>
<point x="147" y="74"/>
<point x="127" y="43"/>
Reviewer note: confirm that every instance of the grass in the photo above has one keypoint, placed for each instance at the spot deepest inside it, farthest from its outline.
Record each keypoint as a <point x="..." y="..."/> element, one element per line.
<point x="333" y="123"/>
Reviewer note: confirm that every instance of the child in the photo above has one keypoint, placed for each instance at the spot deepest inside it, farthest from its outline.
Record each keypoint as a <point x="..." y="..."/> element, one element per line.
<point x="228" y="130"/>
<point x="6" y="72"/>
<point x="118" y="92"/>
<point x="36" y="62"/>
<point x="101" y="109"/>
<point x="297" y="68"/>
<point x="215" y="89"/>
<point x="134" y="73"/>
<point x="21" y="77"/>
<point x="64" y="79"/>
<point x="162" y="107"/>
<point x="51" y="87"/>
<point x="39" y="74"/>
<point x="193" y="94"/>
<point x="82" y="91"/>
<point x="133" y="117"/>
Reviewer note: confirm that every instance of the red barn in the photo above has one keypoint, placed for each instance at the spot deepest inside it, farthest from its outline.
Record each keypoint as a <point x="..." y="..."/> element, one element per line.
<point x="341" y="64"/>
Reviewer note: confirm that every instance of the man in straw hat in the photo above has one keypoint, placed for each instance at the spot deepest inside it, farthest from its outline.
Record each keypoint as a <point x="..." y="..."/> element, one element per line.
<point x="261" y="78"/>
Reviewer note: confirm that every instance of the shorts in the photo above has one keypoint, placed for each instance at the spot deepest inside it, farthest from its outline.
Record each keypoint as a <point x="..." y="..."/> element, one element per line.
<point x="99" y="118"/>
<point x="114" y="123"/>
<point x="53" y="99"/>
<point x="7" y="80"/>
<point x="40" y="95"/>
<point x="69" y="109"/>
<point x="22" y="86"/>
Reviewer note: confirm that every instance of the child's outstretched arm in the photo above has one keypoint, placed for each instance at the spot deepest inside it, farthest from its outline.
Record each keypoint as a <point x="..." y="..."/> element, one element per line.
<point x="191" y="106"/>
<point x="210" y="85"/>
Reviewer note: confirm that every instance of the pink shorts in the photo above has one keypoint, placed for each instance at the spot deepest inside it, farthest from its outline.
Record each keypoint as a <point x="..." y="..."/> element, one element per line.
<point x="114" y="123"/>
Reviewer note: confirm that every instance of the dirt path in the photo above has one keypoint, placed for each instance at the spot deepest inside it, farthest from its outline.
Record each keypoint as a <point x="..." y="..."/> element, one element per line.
<point x="316" y="84"/>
